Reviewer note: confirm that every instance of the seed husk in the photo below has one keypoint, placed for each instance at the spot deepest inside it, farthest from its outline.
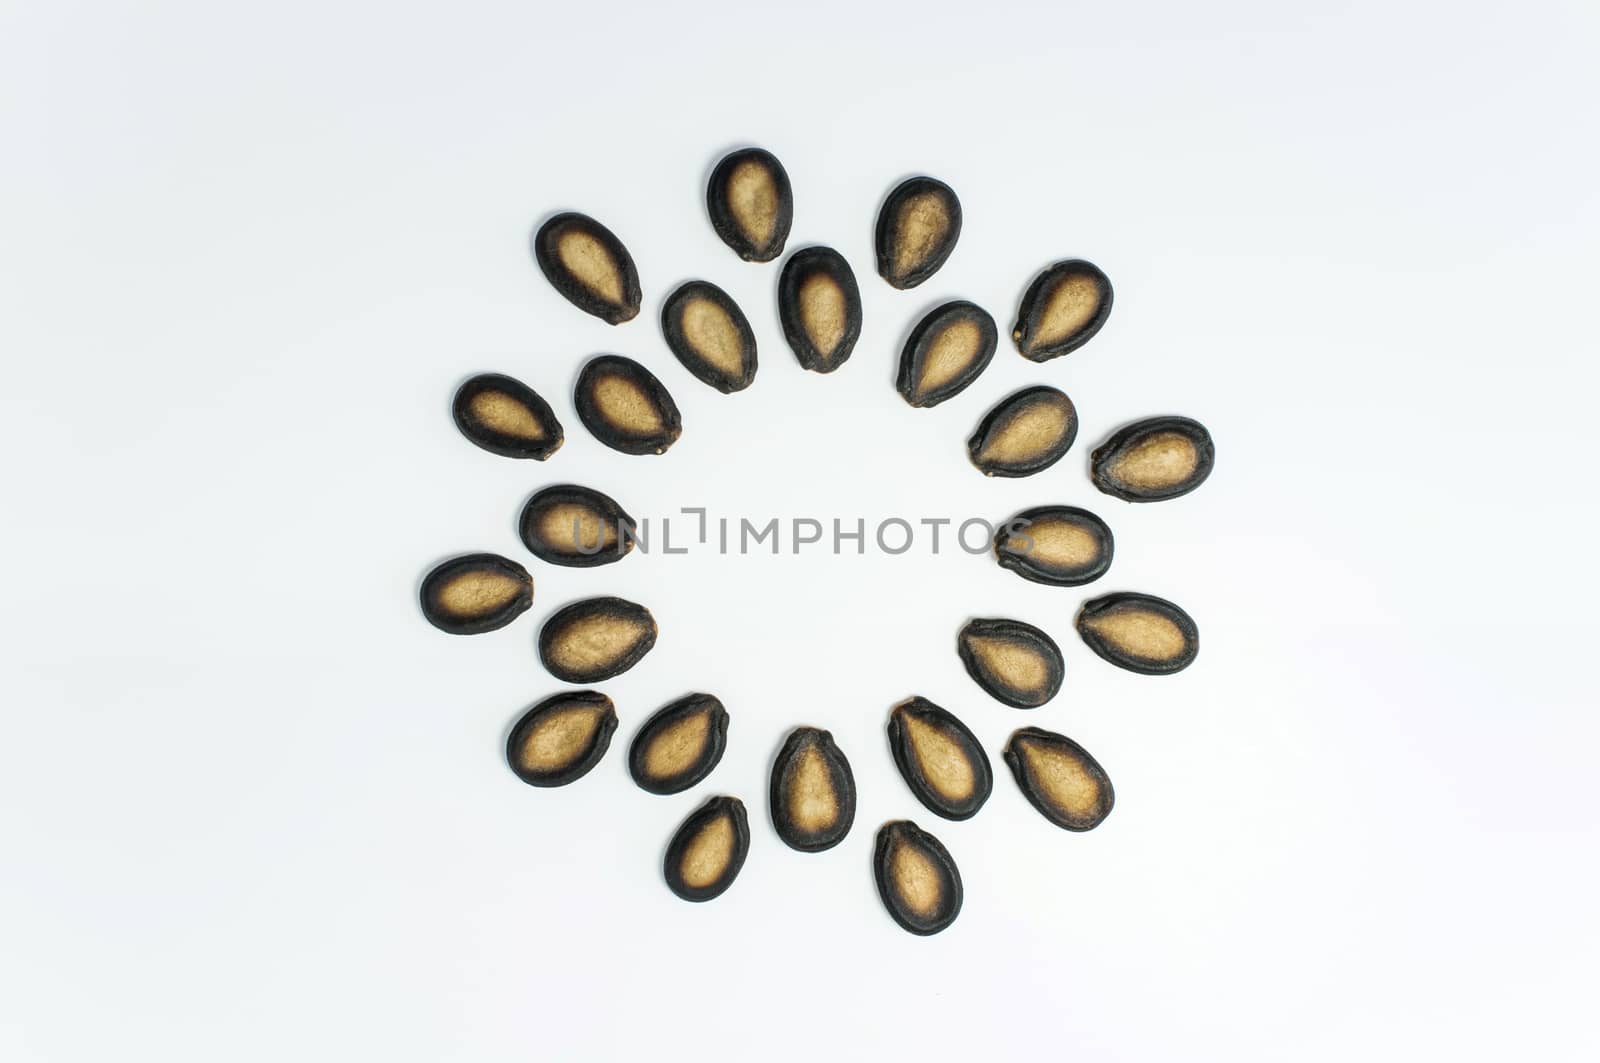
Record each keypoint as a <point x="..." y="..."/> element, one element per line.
<point x="1154" y="459"/>
<point x="595" y="639"/>
<point x="679" y="745"/>
<point x="813" y="795"/>
<point x="707" y="851"/>
<point x="625" y="407"/>
<point x="940" y="758"/>
<point x="1140" y="632"/>
<point x="576" y="527"/>
<point x="917" y="878"/>
<point x="474" y="593"/>
<point x="505" y="416"/>
<point x="819" y="306"/>
<point x="1026" y="432"/>
<point x="1062" y="310"/>
<point x="945" y="353"/>
<point x="917" y="229"/>
<point x="1059" y="778"/>
<point x="709" y="334"/>
<point x="1062" y="546"/>
<point x="1016" y="663"/>
<point x="588" y="265"/>
<point x="558" y="740"/>
<point x="751" y="204"/>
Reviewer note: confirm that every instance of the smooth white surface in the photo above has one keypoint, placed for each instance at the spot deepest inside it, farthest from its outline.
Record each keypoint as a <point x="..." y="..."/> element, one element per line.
<point x="253" y="807"/>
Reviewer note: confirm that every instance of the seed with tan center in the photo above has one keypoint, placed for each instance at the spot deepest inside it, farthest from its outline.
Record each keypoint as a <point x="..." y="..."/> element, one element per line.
<point x="576" y="527"/>
<point x="708" y="333"/>
<point x="916" y="877"/>
<point x="1062" y="310"/>
<point x="707" y="850"/>
<point x="587" y="264"/>
<point x="946" y="351"/>
<point x="1062" y="546"/>
<point x="595" y="639"/>
<point x="504" y="416"/>
<point x="1154" y="459"/>
<point x="1059" y="778"/>
<point x="560" y="739"/>
<point x="751" y="204"/>
<point x="1140" y="632"/>
<point x="813" y="792"/>
<point x="1017" y="663"/>
<point x="940" y="759"/>
<point x="475" y="593"/>
<point x="819" y="307"/>
<point x="679" y="745"/>
<point x="917" y="230"/>
<point x="1026" y="432"/>
<point x="625" y="407"/>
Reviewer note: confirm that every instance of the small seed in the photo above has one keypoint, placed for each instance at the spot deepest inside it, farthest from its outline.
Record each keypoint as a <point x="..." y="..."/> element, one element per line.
<point x="1140" y="632"/>
<point x="819" y="306"/>
<point x="596" y="639"/>
<point x="1154" y="459"/>
<point x="813" y="794"/>
<point x="589" y="266"/>
<point x="504" y="416"/>
<point x="625" y="407"/>
<point x="561" y="738"/>
<point x="679" y="745"/>
<point x="1063" y="546"/>
<point x="576" y="527"/>
<point x="476" y="593"/>
<point x="1015" y="662"/>
<point x="706" y="853"/>
<point x="940" y="759"/>
<point x="1025" y="433"/>
<point x="751" y="204"/>
<point x="917" y="229"/>
<point x="709" y="334"/>
<point x="1059" y="778"/>
<point x="1062" y="310"/>
<point x="946" y="352"/>
<point x="917" y="879"/>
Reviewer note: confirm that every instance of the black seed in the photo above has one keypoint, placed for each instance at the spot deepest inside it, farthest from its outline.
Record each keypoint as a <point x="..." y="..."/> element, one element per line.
<point x="813" y="795"/>
<point x="706" y="853"/>
<point x="1060" y="778"/>
<point x="917" y="879"/>
<point x="596" y="639"/>
<point x="1154" y="459"/>
<point x="917" y="229"/>
<point x="476" y="593"/>
<point x="1015" y="663"/>
<point x="709" y="334"/>
<point x="940" y="759"/>
<point x="561" y="738"/>
<point x="1140" y="632"/>
<point x="587" y="264"/>
<point x="750" y="203"/>
<point x="1062" y="310"/>
<point x="1063" y="546"/>
<point x="945" y="352"/>
<point x="625" y="407"/>
<point x="679" y="745"/>
<point x="576" y="527"/>
<point x="504" y="416"/>
<point x="1025" y="433"/>
<point x="819" y="306"/>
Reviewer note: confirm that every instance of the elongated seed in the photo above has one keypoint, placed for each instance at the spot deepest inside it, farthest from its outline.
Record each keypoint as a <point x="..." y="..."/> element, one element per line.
<point x="679" y="745"/>
<point x="588" y="265"/>
<point x="751" y="204"/>
<point x="1140" y="632"/>
<point x="917" y="878"/>
<point x="707" y="851"/>
<point x="475" y="593"/>
<point x="558" y="740"/>
<point x="940" y="759"/>
<point x="1154" y="459"/>
<point x="813" y="794"/>
<point x="708" y="333"/>
<point x="1062" y="546"/>
<point x="576" y="527"/>
<point x="945" y="353"/>
<point x="1017" y="663"/>
<point x="1027" y="432"/>
<point x="625" y="407"/>
<point x="917" y="229"/>
<point x="1062" y="310"/>
<point x="819" y="306"/>
<point x="504" y="416"/>
<point x="595" y="639"/>
<point x="1059" y="778"/>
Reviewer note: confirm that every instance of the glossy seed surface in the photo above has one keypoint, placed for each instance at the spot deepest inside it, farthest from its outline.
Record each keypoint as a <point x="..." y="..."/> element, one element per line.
<point x="1140" y="632"/>
<point x="819" y="307"/>
<point x="504" y="416"/>
<point x="1059" y="778"/>
<point x="475" y="593"/>
<point x="625" y="407"/>
<point x="917" y="229"/>
<point x="708" y="333"/>
<point x="945" y="353"/>
<point x="706" y="853"/>
<point x="595" y="639"/>
<point x="1062" y="310"/>
<point x="679" y="745"/>
<point x="588" y="265"/>
<point x="1026" y="432"/>
<point x="1154" y="459"/>
<point x="1016" y="663"/>
<point x="917" y="879"/>
<point x="940" y="759"/>
<point x="751" y="204"/>
<point x="576" y="527"/>
<point x="1062" y="546"/>
<point x="813" y="794"/>
<point x="561" y="738"/>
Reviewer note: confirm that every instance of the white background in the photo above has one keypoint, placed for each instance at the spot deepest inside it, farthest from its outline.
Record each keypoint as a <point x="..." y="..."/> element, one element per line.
<point x="253" y="807"/>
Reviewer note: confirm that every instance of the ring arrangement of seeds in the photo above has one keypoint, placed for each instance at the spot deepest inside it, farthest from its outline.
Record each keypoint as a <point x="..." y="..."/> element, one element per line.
<point x="811" y="801"/>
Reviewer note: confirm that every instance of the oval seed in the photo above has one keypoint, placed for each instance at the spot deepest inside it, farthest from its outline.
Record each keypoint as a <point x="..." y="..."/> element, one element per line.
<point x="1154" y="459"/>
<point x="1015" y="663"/>
<point x="596" y="639"/>
<point x="819" y="306"/>
<point x="1063" y="546"/>
<point x="625" y="407"/>
<point x="813" y="795"/>
<point x="917" y="229"/>
<point x="475" y="593"/>
<point x="939" y="758"/>
<point x="707" y="851"/>
<point x="917" y="879"/>
<point x="751" y="204"/>
<point x="576" y="527"/>
<point x="945" y="353"/>
<point x="1062" y="310"/>
<point x="504" y="416"/>
<point x="1140" y="632"/>
<point x="561" y="738"/>
<point x="709" y="334"/>
<point x="1025" y="433"/>
<point x="679" y="745"/>
<point x="588" y="265"/>
<point x="1060" y="778"/>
